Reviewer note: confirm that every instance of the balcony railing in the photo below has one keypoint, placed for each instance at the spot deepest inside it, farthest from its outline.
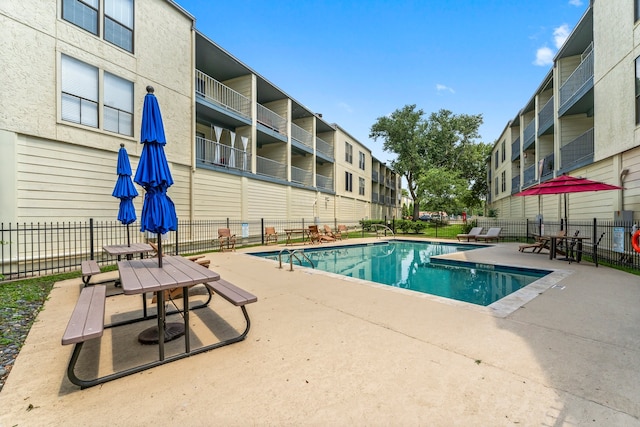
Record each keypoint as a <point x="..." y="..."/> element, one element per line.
<point x="301" y="176"/>
<point x="222" y="95"/>
<point x="324" y="147"/>
<point x="324" y="182"/>
<point x="528" y="137"/>
<point x="529" y="176"/>
<point x="515" y="184"/>
<point x="547" y="167"/>
<point x="580" y="76"/>
<point x="545" y="117"/>
<point x="302" y="136"/>
<point x="214" y="153"/>
<point x="271" y="168"/>
<point x="515" y="149"/>
<point x="577" y="152"/>
<point x="374" y="176"/>
<point x="272" y="120"/>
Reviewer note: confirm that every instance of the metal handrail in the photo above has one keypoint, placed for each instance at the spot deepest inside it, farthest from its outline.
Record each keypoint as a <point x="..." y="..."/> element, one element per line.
<point x="293" y="254"/>
<point x="382" y="226"/>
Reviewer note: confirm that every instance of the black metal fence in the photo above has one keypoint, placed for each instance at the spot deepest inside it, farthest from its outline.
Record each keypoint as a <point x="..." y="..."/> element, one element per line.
<point x="46" y="248"/>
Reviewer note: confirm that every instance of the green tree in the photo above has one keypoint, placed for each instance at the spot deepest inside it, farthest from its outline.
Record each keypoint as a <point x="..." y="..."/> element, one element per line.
<point x="439" y="157"/>
<point x="403" y="133"/>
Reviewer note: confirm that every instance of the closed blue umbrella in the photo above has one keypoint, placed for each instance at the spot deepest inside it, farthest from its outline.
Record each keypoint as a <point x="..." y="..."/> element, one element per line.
<point x="153" y="174"/>
<point x="125" y="191"/>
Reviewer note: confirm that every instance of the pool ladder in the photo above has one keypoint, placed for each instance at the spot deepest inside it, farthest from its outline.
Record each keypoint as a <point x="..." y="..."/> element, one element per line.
<point x="380" y="227"/>
<point x="294" y="254"/>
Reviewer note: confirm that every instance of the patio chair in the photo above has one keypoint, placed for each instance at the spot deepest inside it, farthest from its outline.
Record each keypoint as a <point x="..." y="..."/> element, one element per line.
<point x="270" y="234"/>
<point x="226" y="240"/>
<point x="328" y="232"/>
<point x="343" y="229"/>
<point x="316" y="236"/>
<point x="492" y="234"/>
<point x="471" y="235"/>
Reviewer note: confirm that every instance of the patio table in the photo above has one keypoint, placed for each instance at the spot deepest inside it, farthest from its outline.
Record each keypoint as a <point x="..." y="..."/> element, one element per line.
<point x="554" y="244"/>
<point x="141" y="276"/>
<point x="128" y="251"/>
<point x="291" y="231"/>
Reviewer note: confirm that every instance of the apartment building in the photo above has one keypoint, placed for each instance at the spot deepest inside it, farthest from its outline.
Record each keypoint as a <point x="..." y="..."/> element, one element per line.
<point x="75" y="75"/>
<point x="583" y="120"/>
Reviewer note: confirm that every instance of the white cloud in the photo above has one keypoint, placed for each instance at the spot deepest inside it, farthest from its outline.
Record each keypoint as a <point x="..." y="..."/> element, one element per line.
<point x="345" y="106"/>
<point x="575" y="2"/>
<point x="544" y="57"/>
<point x="440" y="88"/>
<point x="560" y="34"/>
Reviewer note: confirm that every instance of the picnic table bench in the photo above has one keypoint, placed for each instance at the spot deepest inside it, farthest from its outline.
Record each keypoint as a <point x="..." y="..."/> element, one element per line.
<point x="90" y="267"/>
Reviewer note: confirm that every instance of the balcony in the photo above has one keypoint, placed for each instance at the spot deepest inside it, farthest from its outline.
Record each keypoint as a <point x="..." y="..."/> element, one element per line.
<point x="515" y="184"/>
<point x="301" y="176"/>
<point x="271" y="120"/>
<point x="272" y="168"/>
<point x="515" y="149"/>
<point x="374" y="197"/>
<point x="324" y="148"/>
<point x="302" y="137"/>
<point x="547" y="168"/>
<point x="578" y="152"/>
<point x="324" y="182"/>
<point x="529" y="176"/>
<point x="213" y="153"/>
<point x="579" y="84"/>
<point x="545" y="118"/>
<point x="222" y="96"/>
<point x="528" y="137"/>
<point x="374" y="176"/>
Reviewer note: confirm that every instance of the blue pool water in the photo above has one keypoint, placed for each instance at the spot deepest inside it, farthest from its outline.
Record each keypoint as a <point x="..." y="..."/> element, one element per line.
<point x="409" y="265"/>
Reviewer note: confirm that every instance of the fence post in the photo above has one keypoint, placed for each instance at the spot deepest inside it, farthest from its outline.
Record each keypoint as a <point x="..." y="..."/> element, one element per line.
<point x="177" y="228"/>
<point x="262" y="230"/>
<point x="91" y="237"/>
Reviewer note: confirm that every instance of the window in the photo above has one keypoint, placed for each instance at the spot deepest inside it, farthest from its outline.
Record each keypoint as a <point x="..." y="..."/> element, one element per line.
<point x="497" y="186"/>
<point x="361" y="187"/>
<point x="118" y="23"/>
<point x="348" y="181"/>
<point x="79" y="92"/>
<point x="117" y="16"/>
<point x="637" y="9"/>
<point x="504" y="151"/>
<point x="84" y="14"/>
<point x="118" y="105"/>
<point x="348" y="152"/>
<point x="361" y="162"/>
<point x="497" y="161"/>
<point x="638" y="90"/>
<point x="504" y="181"/>
<point x="80" y="101"/>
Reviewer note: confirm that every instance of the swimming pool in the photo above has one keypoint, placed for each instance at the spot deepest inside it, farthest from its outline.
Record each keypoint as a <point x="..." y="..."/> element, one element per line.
<point x="410" y="265"/>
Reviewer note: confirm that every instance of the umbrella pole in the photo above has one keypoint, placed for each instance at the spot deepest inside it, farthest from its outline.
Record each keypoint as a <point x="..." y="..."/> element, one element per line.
<point x="128" y="237"/>
<point x="159" y="250"/>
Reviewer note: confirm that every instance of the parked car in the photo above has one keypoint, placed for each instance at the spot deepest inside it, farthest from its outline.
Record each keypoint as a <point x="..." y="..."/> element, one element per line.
<point x="425" y="217"/>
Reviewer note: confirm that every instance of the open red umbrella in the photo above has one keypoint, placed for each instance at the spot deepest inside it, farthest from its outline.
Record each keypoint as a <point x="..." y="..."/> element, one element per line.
<point x="565" y="184"/>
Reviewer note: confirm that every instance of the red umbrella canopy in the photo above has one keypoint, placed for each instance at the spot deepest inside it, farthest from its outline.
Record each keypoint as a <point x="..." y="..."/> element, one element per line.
<point x="567" y="184"/>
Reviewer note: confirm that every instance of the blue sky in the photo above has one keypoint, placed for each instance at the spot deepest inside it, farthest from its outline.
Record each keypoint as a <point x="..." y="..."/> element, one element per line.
<point x="354" y="61"/>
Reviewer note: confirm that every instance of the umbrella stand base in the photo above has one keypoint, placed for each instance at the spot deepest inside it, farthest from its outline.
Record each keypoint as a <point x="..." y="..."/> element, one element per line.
<point x="171" y="332"/>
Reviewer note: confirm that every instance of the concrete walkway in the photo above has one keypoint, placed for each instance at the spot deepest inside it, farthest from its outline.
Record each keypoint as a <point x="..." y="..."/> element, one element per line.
<point x="326" y="350"/>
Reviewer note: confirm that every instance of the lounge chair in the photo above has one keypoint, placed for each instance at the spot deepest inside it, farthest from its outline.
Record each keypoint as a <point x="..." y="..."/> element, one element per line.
<point x="328" y="232"/>
<point x="226" y="240"/>
<point x="492" y="234"/>
<point x="343" y="229"/>
<point x="270" y="234"/>
<point x="316" y="236"/>
<point x="542" y="242"/>
<point x="471" y="235"/>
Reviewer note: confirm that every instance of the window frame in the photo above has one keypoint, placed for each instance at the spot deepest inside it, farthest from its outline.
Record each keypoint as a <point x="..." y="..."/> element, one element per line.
<point x="361" y="186"/>
<point x="637" y="88"/>
<point x="348" y="152"/>
<point x="348" y="184"/>
<point x="362" y="160"/>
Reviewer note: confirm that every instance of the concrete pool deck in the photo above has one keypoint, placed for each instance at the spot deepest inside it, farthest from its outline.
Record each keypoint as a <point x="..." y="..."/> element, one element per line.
<point x="325" y="350"/>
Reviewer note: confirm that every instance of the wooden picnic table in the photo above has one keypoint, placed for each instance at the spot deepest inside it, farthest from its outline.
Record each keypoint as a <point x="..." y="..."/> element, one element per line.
<point x="290" y="231"/>
<point x="128" y="250"/>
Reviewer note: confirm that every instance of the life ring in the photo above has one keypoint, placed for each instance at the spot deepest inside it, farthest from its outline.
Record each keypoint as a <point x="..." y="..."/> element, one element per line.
<point x="635" y="241"/>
